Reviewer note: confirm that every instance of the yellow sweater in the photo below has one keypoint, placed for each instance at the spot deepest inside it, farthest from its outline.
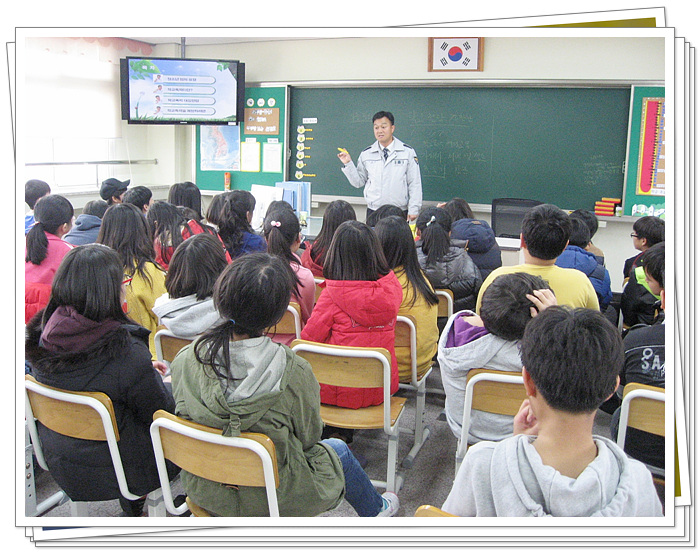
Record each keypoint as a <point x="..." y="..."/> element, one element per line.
<point x="570" y="286"/>
<point x="426" y="330"/>
<point x="140" y="297"/>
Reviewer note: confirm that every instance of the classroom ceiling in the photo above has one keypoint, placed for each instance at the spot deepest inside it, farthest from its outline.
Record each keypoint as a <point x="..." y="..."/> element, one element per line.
<point x="203" y="41"/>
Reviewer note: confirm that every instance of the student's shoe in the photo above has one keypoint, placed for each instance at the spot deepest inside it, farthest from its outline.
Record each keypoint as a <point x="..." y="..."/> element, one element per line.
<point x="391" y="505"/>
<point x="132" y="508"/>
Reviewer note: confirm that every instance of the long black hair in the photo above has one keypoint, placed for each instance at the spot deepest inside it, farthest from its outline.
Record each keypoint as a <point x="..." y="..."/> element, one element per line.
<point x="89" y="279"/>
<point x="281" y="229"/>
<point x="251" y="295"/>
<point x="125" y="230"/>
<point x="233" y="219"/>
<point x="355" y="254"/>
<point x="50" y="212"/>
<point x="336" y="213"/>
<point x="435" y="225"/>
<point x="459" y="209"/>
<point x="399" y="248"/>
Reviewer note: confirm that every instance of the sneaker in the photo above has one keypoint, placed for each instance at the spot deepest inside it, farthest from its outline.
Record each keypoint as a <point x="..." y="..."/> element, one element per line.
<point x="391" y="505"/>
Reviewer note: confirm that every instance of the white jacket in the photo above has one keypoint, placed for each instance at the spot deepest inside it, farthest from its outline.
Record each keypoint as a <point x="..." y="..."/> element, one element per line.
<point x="395" y="181"/>
<point x="509" y="479"/>
<point x="487" y="351"/>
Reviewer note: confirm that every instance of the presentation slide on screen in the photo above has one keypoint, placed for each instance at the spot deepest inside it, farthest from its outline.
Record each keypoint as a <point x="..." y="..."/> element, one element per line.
<point x="178" y="89"/>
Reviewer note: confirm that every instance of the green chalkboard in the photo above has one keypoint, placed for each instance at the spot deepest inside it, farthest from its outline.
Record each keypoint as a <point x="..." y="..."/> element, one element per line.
<point x="559" y="145"/>
<point x="268" y="137"/>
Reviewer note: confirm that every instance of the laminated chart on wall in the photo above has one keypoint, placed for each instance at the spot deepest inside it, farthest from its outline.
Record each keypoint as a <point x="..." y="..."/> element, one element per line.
<point x="645" y="169"/>
<point x="652" y="153"/>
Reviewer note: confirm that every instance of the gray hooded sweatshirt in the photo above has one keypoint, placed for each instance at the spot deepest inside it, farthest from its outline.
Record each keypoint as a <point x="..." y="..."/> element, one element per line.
<point x="509" y="479"/>
<point x="186" y="316"/>
<point x="476" y="351"/>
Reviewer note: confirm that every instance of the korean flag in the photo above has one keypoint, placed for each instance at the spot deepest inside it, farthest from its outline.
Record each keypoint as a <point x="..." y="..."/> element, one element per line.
<point x="455" y="53"/>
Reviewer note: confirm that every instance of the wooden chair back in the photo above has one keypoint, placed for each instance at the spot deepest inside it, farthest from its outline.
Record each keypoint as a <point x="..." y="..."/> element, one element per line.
<point x="446" y="302"/>
<point x="228" y="465"/>
<point x="68" y="418"/>
<point x="290" y="323"/>
<point x="331" y="367"/>
<point x="495" y="396"/>
<point x="431" y="511"/>
<point x="168" y="345"/>
<point x="646" y="411"/>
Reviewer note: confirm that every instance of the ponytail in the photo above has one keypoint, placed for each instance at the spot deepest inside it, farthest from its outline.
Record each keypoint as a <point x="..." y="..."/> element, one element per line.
<point x="434" y="225"/>
<point x="51" y="212"/>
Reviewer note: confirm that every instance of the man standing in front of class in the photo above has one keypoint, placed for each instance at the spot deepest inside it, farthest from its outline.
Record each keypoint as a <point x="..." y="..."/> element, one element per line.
<point x="388" y="169"/>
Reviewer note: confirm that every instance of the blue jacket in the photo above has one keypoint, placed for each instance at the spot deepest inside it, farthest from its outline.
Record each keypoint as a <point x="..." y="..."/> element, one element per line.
<point x="580" y="259"/>
<point x="481" y="244"/>
<point x="85" y="230"/>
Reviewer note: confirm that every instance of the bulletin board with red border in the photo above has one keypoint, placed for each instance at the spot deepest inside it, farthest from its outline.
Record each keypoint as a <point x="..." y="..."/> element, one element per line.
<point x="645" y="174"/>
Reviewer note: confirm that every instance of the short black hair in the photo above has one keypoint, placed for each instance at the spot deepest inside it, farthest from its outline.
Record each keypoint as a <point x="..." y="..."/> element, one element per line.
<point x="505" y="310"/>
<point x="382" y="114"/>
<point x="96" y="208"/>
<point x="186" y="194"/>
<point x="34" y="190"/>
<point x="653" y="229"/>
<point x="138" y="195"/>
<point x="654" y="262"/>
<point x="580" y="234"/>
<point x="546" y="230"/>
<point x="573" y="357"/>
<point x="459" y="209"/>
<point x="589" y="218"/>
<point x="383" y="212"/>
<point x="194" y="267"/>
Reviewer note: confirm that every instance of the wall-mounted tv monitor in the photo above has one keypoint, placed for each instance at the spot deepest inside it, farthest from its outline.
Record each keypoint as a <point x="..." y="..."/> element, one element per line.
<point x="182" y="91"/>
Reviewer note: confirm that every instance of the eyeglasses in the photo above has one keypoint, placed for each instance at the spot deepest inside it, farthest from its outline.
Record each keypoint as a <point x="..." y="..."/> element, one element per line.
<point x="633" y="235"/>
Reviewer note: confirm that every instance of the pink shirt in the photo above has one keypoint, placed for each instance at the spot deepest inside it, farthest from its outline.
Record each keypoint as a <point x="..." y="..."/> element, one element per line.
<point x="305" y="293"/>
<point x="43" y="273"/>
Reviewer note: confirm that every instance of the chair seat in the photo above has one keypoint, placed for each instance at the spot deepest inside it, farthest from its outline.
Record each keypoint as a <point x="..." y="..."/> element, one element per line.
<point x="197" y="511"/>
<point x="371" y="417"/>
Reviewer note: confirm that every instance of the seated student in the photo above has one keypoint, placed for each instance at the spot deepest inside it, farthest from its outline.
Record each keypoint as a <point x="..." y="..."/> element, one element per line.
<point x="238" y="380"/>
<point x="545" y="234"/>
<point x="140" y="196"/>
<point x="591" y="221"/>
<point x="419" y="299"/>
<point x="87" y="225"/>
<point x="83" y="341"/>
<point x="125" y="230"/>
<point x="478" y="237"/>
<point x="336" y="213"/>
<point x="170" y="228"/>
<point x="553" y="465"/>
<point x="640" y="303"/>
<point x="645" y="361"/>
<point x="446" y="263"/>
<point x="34" y="190"/>
<point x="358" y="306"/>
<point x="45" y="250"/>
<point x="187" y="309"/>
<point x="646" y="231"/>
<point x="576" y="256"/>
<point x="186" y="194"/>
<point x="488" y="341"/>
<point x="282" y="232"/>
<point x="234" y="224"/>
<point x="113" y="190"/>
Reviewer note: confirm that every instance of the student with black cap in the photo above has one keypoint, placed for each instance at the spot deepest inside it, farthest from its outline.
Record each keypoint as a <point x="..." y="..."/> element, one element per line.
<point x="112" y="190"/>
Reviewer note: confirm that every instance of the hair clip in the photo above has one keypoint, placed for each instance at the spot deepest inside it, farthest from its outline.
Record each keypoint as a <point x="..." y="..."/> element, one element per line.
<point x="232" y="320"/>
<point x="275" y="223"/>
<point x="432" y="219"/>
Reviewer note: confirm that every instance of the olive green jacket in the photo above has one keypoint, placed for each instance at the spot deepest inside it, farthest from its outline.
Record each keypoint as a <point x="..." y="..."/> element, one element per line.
<point x="310" y="473"/>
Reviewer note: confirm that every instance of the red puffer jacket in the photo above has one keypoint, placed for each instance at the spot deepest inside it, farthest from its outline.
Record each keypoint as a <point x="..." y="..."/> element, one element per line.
<point x="359" y="314"/>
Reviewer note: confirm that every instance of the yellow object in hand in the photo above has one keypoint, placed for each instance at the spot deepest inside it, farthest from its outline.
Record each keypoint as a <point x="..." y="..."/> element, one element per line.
<point x="343" y="150"/>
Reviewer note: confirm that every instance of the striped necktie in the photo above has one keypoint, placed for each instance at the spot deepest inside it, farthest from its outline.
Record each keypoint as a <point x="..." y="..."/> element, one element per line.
<point x="386" y="153"/>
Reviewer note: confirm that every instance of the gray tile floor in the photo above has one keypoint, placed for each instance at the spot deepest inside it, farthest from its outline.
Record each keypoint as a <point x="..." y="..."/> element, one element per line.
<point x="427" y="482"/>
